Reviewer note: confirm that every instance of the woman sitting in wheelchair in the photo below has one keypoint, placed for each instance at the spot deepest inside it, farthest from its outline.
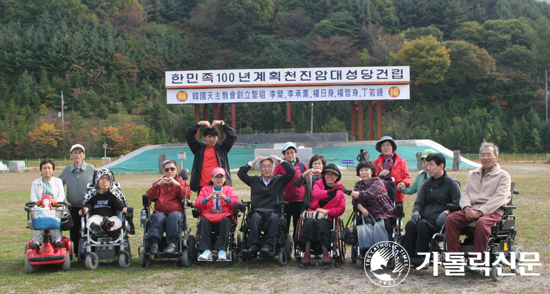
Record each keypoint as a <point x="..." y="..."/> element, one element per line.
<point x="47" y="185"/>
<point x="216" y="203"/>
<point x="329" y="201"/>
<point x="103" y="201"/>
<point x="371" y="198"/>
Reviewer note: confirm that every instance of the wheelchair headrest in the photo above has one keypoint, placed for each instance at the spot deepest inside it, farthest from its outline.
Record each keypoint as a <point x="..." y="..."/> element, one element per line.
<point x="184" y="174"/>
<point x="145" y="200"/>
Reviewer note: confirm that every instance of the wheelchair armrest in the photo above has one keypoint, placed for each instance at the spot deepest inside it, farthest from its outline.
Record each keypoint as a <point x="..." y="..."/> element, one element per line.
<point x="196" y="213"/>
<point x="145" y="200"/>
<point x="399" y="211"/>
<point x="190" y="204"/>
<point x="452" y="207"/>
<point x="508" y="207"/>
<point x="240" y="207"/>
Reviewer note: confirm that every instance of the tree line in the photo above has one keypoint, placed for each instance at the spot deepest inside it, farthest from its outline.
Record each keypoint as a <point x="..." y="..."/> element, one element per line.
<point x="477" y="67"/>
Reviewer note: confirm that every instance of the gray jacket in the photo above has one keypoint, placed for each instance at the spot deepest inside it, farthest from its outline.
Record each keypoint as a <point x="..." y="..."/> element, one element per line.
<point x="77" y="182"/>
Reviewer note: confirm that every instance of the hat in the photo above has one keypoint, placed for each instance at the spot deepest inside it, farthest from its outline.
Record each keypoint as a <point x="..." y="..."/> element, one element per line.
<point x="427" y="152"/>
<point x="384" y="139"/>
<point x="77" y="146"/>
<point x="289" y="145"/>
<point x="218" y="171"/>
<point x="332" y="168"/>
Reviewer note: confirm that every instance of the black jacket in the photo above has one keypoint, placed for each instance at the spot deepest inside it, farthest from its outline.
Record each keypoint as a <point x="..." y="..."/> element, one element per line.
<point x="263" y="196"/>
<point x="221" y="147"/>
<point x="434" y="195"/>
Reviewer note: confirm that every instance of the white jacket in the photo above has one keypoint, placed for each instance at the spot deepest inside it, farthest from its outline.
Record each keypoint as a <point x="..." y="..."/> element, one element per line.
<point x="56" y="189"/>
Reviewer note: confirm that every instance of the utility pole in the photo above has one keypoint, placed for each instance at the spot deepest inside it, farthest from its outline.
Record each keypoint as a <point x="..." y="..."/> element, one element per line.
<point x="546" y="92"/>
<point x="62" y="112"/>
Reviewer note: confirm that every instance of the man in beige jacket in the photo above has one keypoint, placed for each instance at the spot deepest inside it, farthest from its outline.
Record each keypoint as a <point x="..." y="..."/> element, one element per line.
<point x="487" y="189"/>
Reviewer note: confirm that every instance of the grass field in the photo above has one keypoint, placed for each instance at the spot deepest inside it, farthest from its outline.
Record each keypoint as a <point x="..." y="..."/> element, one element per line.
<point x="259" y="276"/>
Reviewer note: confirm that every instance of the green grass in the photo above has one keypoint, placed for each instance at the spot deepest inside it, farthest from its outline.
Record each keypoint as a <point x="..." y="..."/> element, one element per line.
<point x="256" y="275"/>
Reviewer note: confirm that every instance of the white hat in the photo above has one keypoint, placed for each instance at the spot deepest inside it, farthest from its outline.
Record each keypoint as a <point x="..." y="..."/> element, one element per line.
<point x="78" y="146"/>
<point x="289" y="145"/>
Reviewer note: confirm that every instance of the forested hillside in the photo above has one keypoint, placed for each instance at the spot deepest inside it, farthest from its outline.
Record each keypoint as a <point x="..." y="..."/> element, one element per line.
<point x="477" y="67"/>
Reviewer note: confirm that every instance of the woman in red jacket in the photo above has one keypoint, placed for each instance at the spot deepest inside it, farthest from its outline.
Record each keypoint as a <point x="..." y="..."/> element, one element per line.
<point x="390" y="164"/>
<point x="216" y="203"/>
<point x="328" y="198"/>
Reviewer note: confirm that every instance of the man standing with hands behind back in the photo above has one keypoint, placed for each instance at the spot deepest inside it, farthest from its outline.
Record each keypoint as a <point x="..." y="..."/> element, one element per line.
<point x="77" y="176"/>
<point x="209" y="154"/>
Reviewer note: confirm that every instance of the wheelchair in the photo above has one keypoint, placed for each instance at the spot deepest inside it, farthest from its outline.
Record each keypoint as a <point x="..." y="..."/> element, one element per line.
<point x="108" y="244"/>
<point x="284" y="243"/>
<point x="358" y="255"/>
<point x="47" y="253"/>
<point x="337" y="250"/>
<point x="502" y="239"/>
<point x="185" y="246"/>
<point x="234" y="242"/>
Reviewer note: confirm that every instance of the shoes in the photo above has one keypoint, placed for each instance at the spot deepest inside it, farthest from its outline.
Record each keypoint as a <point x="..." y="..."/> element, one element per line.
<point x="307" y="258"/>
<point x="206" y="255"/>
<point x="222" y="255"/>
<point x="252" y="250"/>
<point x="35" y="246"/>
<point x="154" y="249"/>
<point x="478" y="272"/>
<point x="170" y="249"/>
<point x="58" y="243"/>
<point x="416" y="261"/>
<point x="108" y="225"/>
<point x="326" y="258"/>
<point x="96" y="229"/>
<point x="264" y="251"/>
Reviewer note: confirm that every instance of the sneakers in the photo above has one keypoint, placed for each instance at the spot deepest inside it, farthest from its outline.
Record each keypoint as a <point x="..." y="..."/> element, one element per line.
<point x="108" y="225"/>
<point x="35" y="246"/>
<point x="206" y="255"/>
<point x="326" y="258"/>
<point x="154" y="249"/>
<point x="307" y="258"/>
<point x="96" y="229"/>
<point x="58" y="243"/>
<point x="170" y="249"/>
<point x="264" y="251"/>
<point x="222" y="255"/>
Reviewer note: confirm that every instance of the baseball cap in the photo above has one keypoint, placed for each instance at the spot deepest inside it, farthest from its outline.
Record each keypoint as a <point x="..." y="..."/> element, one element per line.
<point x="78" y="146"/>
<point x="289" y="145"/>
<point x="218" y="171"/>
<point x="427" y="152"/>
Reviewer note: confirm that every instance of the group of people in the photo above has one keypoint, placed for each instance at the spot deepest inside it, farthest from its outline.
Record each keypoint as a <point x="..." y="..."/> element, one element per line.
<point x="306" y="187"/>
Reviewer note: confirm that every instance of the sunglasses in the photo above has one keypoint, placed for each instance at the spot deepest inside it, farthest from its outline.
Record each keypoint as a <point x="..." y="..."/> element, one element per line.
<point x="169" y="169"/>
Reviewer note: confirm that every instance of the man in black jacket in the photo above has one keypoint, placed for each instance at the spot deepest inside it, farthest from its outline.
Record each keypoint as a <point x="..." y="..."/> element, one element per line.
<point x="265" y="193"/>
<point x="430" y="208"/>
<point x="209" y="154"/>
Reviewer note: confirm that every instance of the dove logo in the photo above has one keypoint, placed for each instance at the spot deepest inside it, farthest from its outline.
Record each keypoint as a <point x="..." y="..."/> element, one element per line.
<point x="387" y="264"/>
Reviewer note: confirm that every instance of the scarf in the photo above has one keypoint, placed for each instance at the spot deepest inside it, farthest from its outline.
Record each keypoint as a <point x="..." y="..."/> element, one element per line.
<point x="388" y="162"/>
<point x="113" y="188"/>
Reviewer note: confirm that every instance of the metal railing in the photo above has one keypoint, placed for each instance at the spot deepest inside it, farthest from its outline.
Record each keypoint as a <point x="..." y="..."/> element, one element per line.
<point x="513" y="157"/>
<point x="59" y="162"/>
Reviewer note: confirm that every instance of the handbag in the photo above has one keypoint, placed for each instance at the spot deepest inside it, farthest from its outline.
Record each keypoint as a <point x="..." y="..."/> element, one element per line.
<point x="66" y="222"/>
<point x="313" y="215"/>
<point x="369" y="234"/>
<point x="349" y="233"/>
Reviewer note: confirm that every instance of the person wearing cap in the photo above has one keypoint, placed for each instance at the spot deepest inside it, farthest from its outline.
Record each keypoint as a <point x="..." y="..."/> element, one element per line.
<point x="216" y="203"/>
<point x="77" y="176"/>
<point x="390" y="164"/>
<point x="430" y="209"/>
<point x="209" y="154"/>
<point x="293" y="195"/>
<point x="422" y="176"/>
<point x="328" y="198"/>
<point x="266" y="193"/>
<point x="168" y="193"/>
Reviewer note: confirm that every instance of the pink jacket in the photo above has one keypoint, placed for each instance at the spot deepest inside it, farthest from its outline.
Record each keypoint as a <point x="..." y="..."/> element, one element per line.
<point x="335" y="207"/>
<point x="399" y="171"/>
<point x="227" y="208"/>
<point x="292" y="193"/>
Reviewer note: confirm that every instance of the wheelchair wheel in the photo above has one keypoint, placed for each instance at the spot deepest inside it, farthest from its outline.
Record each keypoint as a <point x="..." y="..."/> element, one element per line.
<point x="192" y="250"/>
<point x="184" y="259"/>
<point x="239" y="242"/>
<point x="289" y="247"/>
<point x="66" y="266"/>
<point x="143" y="259"/>
<point x="360" y="263"/>
<point x="28" y="266"/>
<point x="494" y="272"/>
<point x="353" y="254"/>
<point x="283" y="258"/>
<point x="124" y="259"/>
<point x="91" y="261"/>
<point x="517" y="250"/>
<point x="71" y="250"/>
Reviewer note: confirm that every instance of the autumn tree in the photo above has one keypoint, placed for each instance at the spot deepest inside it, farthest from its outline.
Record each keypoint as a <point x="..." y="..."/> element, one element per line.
<point x="333" y="51"/>
<point x="45" y="139"/>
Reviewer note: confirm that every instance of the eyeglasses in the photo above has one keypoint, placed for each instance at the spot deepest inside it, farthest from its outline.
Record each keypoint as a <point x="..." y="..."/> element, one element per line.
<point x="169" y="169"/>
<point x="486" y="155"/>
<point x="219" y="177"/>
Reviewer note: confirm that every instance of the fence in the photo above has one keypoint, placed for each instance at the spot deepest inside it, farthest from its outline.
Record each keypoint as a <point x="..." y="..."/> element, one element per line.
<point x="59" y="162"/>
<point x="514" y="157"/>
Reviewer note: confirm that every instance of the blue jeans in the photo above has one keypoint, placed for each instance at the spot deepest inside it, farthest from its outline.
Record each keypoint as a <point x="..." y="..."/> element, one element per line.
<point x="162" y="222"/>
